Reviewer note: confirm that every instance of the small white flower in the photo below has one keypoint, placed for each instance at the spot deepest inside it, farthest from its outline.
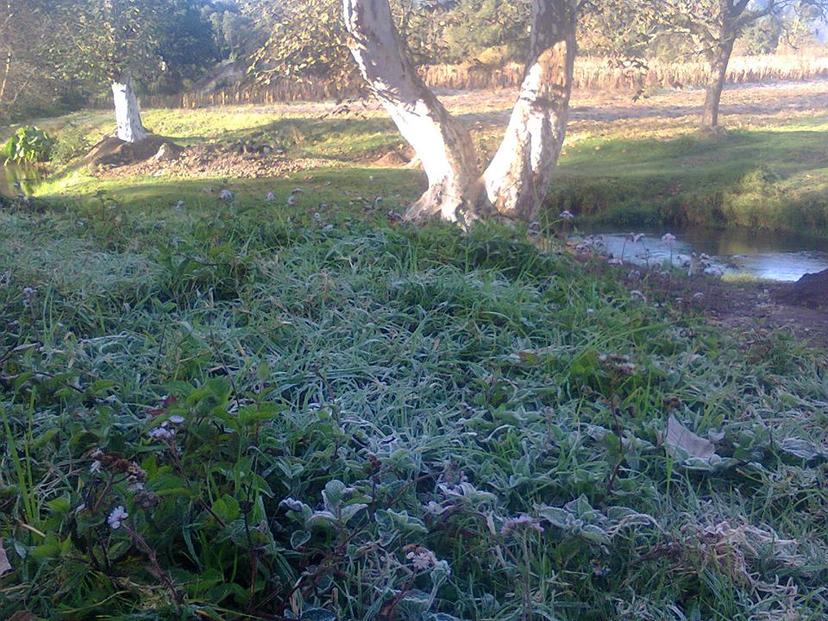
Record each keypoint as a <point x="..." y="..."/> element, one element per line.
<point x="270" y="197"/>
<point x="567" y="215"/>
<point x="95" y="467"/>
<point x="29" y="294"/>
<point x="421" y="558"/>
<point x="521" y="521"/>
<point x="669" y="239"/>
<point x="226" y="195"/>
<point x="117" y="516"/>
<point x="162" y="433"/>
<point x="175" y="419"/>
<point x="638" y="295"/>
<point x="614" y="261"/>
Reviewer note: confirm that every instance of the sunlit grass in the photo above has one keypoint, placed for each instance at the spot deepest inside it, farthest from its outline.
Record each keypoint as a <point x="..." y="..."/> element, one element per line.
<point x="768" y="172"/>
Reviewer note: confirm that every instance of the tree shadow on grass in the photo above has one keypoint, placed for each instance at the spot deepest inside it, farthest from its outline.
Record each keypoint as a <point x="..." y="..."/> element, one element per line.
<point x="334" y="190"/>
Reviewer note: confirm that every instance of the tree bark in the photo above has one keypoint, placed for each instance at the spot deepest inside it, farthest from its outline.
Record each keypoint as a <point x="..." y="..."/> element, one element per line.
<point x="127" y="112"/>
<point x="519" y="176"/>
<point x="7" y="65"/>
<point x="443" y="145"/>
<point x="6" y="71"/>
<point x="718" y="70"/>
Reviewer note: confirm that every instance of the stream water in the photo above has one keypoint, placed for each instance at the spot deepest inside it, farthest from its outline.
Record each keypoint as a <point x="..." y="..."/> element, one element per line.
<point x="768" y="256"/>
<point x="16" y="180"/>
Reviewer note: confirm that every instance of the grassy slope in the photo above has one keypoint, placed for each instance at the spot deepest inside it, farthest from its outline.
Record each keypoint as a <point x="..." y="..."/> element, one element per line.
<point x="770" y="173"/>
<point x="452" y="383"/>
<point x="776" y="179"/>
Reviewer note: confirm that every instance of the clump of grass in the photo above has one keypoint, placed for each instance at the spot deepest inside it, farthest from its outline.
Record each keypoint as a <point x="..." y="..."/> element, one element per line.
<point x="241" y="412"/>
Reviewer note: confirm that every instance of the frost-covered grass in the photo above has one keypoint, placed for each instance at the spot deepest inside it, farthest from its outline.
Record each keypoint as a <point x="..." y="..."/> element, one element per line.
<point x="328" y="417"/>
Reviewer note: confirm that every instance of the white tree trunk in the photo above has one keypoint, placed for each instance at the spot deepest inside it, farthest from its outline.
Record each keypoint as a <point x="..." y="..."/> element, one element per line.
<point x="520" y="174"/>
<point x="127" y="113"/>
<point x="7" y="66"/>
<point x="443" y="145"/>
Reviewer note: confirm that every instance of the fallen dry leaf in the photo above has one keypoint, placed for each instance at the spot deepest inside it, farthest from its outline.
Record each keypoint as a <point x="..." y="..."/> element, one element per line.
<point x="682" y="443"/>
<point x="5" y="566"/>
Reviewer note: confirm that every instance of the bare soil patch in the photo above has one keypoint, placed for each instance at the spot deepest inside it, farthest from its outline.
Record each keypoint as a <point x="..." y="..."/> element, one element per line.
<point x="758" y="307"/>
<point x="746" y="307"/>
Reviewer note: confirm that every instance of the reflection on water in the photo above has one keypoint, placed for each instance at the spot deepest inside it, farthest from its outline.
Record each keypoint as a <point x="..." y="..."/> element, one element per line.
<point x="784" y="258"/>
<point x="16" y="180"/>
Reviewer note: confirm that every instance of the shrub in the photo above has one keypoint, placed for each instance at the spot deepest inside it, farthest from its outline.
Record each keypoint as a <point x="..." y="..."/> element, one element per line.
<point x="72" y="143"/>
<point x="28" y="145"/>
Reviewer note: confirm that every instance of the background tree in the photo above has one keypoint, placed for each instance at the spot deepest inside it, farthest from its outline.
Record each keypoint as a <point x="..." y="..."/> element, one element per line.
<point x="714" y="26"/>
<point x="112" y="41"/>
<point x="239" y="28"/>
<point x="487" y="31"/>
<point x="308" y="40"/>
<point x="116" y="42"/>
<point x="186" y="46"/>
<point x="25" y="67"/>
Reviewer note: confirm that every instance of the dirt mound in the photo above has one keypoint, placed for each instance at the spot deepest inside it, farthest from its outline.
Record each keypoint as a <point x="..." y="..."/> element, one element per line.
<point x="393" y="159"/>
<point x="168" y="152"/>
<point x="112" y="152"/>
<point x="811" y="290"/>
<point x="215" y="160"/>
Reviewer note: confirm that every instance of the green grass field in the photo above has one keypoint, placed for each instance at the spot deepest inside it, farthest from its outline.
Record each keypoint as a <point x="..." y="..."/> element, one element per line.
<point x="311" y="413"/>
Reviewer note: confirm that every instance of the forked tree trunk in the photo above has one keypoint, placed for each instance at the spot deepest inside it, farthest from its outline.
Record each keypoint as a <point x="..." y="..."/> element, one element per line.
<point x="127" y="113"/>
<point x="443" y="145"/>
<point x="520" y="175"/>
<point x="713" y="98"/>
<point x="518" y="178"/>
